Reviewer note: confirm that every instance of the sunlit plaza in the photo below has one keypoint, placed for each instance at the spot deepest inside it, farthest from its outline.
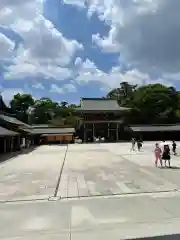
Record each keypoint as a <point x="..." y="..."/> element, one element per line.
<point x="85" y="191"/>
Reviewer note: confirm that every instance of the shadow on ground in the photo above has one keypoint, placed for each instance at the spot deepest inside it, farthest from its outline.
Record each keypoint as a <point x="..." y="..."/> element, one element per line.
<point x="164" y="237"/>
<point x="8" y="156"/>
<point x="173" y="167"/>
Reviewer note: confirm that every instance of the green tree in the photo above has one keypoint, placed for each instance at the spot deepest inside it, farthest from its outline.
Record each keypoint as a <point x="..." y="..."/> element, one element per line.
<point x="57" y="121"/>
<point x="123" y="94"/>
<point x="20" y="104"/>
<point x="64" y="104"/>
<point x="43" y="111"/>
<point x="154" y="103"/>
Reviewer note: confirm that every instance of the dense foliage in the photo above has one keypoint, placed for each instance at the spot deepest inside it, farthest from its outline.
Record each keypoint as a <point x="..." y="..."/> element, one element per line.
<point x="43" y="111"/>
<point x="150" y="104"/>
<point x="154" y="103"/>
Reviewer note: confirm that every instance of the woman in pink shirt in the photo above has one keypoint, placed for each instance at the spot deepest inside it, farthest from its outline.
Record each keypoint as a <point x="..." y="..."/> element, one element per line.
<point x="157" y="152"/>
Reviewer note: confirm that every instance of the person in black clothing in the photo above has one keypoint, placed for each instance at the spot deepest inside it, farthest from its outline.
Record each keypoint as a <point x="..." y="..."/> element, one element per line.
<point x="166" y="155"/>
<point x="174" y="147"/>
<point x="139" y="144"/>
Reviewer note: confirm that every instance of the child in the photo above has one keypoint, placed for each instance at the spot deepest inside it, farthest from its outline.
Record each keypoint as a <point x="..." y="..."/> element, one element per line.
<point x="166" y="155"/>
<point x="157" y="152"/>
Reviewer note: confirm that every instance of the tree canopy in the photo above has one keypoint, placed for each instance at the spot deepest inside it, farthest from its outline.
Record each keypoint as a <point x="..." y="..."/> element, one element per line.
<point x="150" y="104"/>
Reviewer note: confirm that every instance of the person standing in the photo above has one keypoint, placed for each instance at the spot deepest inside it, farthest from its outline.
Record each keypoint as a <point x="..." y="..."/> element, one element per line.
<point x="133" y="141"/>
<point x="166" y="155"/>
<point x="157" y="152"/>
<point x="139" y="145"/>
<point x="174" y="147"/>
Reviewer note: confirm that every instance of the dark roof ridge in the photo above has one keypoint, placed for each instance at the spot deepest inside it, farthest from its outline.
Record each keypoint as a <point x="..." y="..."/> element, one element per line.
<point x="99" y="99"/>
<point x="149" y="125"/>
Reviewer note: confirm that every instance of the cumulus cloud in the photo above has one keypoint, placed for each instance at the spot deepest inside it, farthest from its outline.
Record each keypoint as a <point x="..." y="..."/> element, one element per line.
<point x="77" y="3"/>
<point x="9" y="93"/>
<point x="88" y="71"/>
<point x="56" y="89"/>
<point x="43" y="42"/>
<point x="69" y="87"/>
<point x="146" y="34"/>
<point x="14" y="12"/>
<point x="6" y="47"/>
<point x="44" y="51"/>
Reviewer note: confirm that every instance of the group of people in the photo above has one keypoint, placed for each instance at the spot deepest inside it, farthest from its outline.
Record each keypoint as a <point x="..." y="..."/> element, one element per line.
<point x="164" y="154"/>
<point x="139" y="144"/>
<point x="161" y="153"/>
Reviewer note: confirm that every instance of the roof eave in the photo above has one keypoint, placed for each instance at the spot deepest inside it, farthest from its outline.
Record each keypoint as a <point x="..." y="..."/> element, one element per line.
<point x="102" y="110"/>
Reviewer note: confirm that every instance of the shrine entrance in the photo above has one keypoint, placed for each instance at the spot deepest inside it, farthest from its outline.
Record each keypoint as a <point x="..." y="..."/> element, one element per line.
<point x="98" y="131"/>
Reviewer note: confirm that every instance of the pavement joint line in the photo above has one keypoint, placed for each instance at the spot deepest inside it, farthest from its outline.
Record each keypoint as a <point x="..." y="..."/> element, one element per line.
<point x="60" y="174"/>
<point x="54" y="198"/>
<point x="24" y="200"/>
<point x="119" y="195"/>
<point x="57" y="198"/>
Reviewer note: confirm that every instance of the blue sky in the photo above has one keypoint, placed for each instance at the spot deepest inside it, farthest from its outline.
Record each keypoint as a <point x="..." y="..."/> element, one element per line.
<point x="83" y="48"/>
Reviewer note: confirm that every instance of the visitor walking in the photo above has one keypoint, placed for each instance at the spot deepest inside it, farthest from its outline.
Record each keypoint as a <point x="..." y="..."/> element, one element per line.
<point x="174" y="147"/>
<point x="133" y="142"/>
<point x="166" y="155"/>
<point x="139" y="145"/>
<point x="157" y="152"/>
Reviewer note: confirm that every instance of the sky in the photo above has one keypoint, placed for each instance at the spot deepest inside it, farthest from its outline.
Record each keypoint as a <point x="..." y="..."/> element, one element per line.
<point x="68" y="49"/>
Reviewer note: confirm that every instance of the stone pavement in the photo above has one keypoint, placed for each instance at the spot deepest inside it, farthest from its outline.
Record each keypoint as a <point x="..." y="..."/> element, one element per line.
<point x="31" y="176"/>
<point x="111" y="169"/>
<point x="107" y="218"/>
<point x="105" y="191"/>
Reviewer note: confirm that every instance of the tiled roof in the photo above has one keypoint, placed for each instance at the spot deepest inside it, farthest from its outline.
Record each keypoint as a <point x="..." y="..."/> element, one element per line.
<point x="58" y="134"/>
<point x="42" y="126"/>
<point x="51" y="130"/>
<point x="13" y="120"/>
<point x="99" y="104"/>
<point x="155" y="128"/>
<point x="6" y="132"/>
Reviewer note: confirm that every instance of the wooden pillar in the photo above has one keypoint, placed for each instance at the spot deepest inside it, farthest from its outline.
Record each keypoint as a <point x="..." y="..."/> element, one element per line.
<point x="84" y="132"/>
<point x="11" y="142"/>
<point x="26" y="142"/>
<point x="93" y="132"/>
<point x="117" y="132"/>
<point x="108" y="131"/>
<point x="18" y="145"/>
<point x="5" y="145"/>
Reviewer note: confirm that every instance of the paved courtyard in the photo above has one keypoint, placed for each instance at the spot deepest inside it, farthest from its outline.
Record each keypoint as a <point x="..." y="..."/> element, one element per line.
<point x="86" y="191"/>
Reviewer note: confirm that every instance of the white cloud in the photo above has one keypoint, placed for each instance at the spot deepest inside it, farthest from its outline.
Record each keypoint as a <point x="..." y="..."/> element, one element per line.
<point x="144" y="32"/>
<point x="44" y="51"/>
<point x="37" y="85"/>
<point x="22" y="68"/>
<point x="69" y="87"/>
<point x="9" y="93"/>
<point x="56" y="89"/>
<point x="137" y="32"/>
<point x="89" y="72"/>
<point x="44" y="43"/>
<point x="106" y="43"/>
<point x="77" y="3"/>
<point x="19" y="11"/>
<point x="6" y="47"/>
<point x="63" y="89"/>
